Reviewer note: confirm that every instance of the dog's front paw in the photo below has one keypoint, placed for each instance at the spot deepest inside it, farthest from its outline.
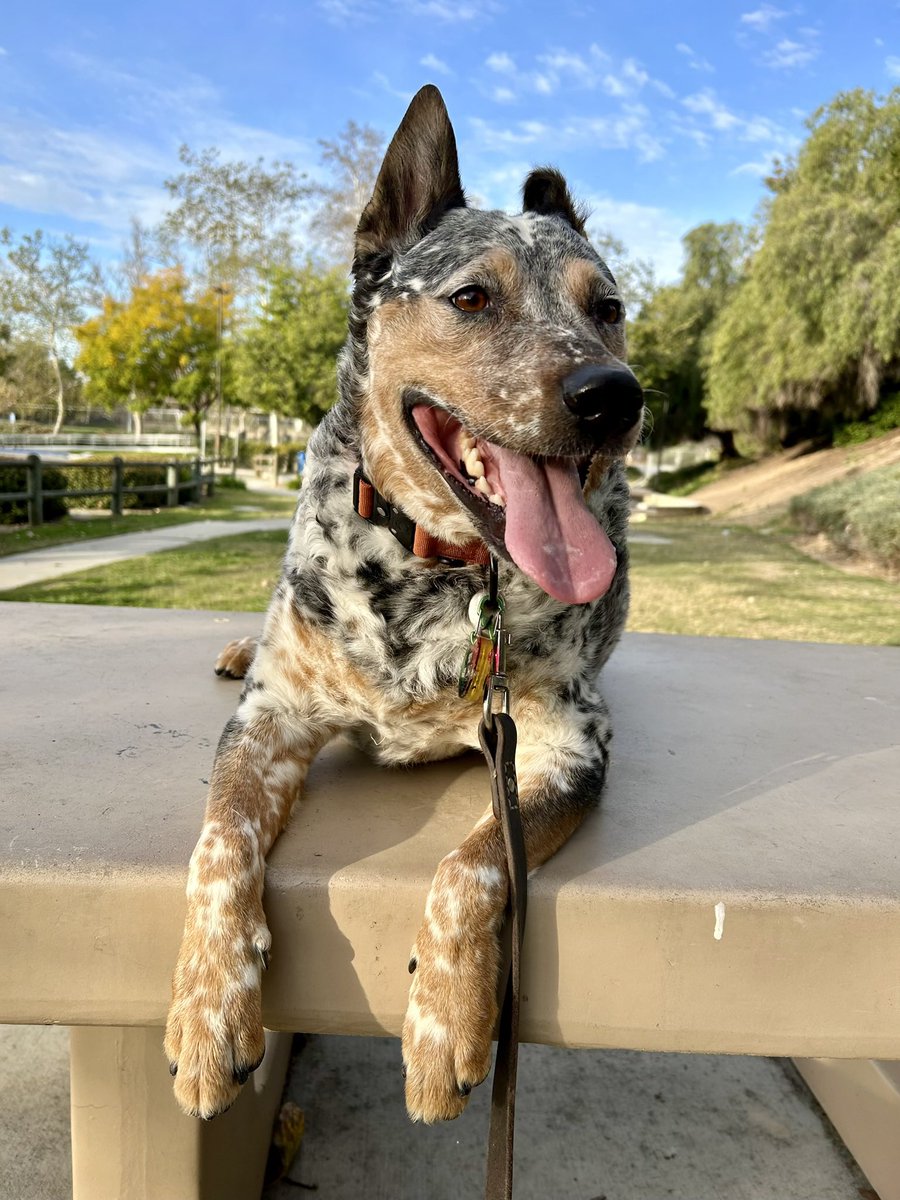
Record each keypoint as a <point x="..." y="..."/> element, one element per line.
<point x="234" y="661"/>
<point x="453" y="998"/>
<point x="214" y="1036"/>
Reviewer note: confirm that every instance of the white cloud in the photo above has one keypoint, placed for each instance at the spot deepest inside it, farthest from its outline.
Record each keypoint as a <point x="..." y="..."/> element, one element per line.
<point x="544" y="84"/>
<point x="892" y="66"/>
<point x="385" y="84"/>
<point x="433" y="63"/>
<point x="754" y="129"/>
<point x="501" y="62"/>
<point x="102" y="177"/>
<point x="446" y="11"/>
<point x="629" y="129"/>
<point x="763" y="17"/>
<point x="3" y="52"/>
<point x="705" y="104"/>
<point x="503" y="95"/>
<point x="695" y="61"/>
<point x="757" y="169"/>
<point x="648" y="232"/>
<point x="787" y="54"/>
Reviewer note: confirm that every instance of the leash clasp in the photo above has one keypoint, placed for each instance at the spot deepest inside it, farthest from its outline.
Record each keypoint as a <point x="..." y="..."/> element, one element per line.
<point x="497" y="685"/>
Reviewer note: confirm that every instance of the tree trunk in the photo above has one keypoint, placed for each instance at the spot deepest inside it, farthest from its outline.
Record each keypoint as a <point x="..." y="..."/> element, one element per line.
<point x="136" y="420"/>
<point x="60" y="393"/>
<point x="727" y="447"/>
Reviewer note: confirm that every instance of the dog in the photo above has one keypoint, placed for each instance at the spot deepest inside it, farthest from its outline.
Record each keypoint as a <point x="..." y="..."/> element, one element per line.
<point x="485" y="408"/>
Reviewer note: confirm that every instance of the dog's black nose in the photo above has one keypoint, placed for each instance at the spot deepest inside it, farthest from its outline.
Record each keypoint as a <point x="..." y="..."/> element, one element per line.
<point x="608" y="394"/>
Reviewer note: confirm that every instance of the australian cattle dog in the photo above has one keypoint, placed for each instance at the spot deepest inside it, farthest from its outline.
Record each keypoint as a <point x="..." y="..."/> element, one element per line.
<point x="485" y="409"/>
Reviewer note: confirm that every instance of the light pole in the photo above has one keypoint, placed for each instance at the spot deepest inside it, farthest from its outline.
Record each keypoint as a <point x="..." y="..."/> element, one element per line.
<point x="220" y="320"/>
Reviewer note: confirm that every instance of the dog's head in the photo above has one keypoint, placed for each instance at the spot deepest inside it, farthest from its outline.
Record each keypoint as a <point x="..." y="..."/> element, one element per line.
<point x="487" y="358"/>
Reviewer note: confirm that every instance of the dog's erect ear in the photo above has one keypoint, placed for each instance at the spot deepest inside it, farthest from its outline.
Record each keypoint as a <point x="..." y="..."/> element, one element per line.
<point x="546" y="192"/>
<point x="418" y="181"/>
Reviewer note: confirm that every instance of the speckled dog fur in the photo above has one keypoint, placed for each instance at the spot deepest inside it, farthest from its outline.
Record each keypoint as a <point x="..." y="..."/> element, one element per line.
<point x="363" y="638"/>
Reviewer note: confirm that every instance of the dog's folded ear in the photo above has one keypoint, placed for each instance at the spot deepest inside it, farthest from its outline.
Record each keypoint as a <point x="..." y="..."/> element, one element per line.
<point x="545" y="191"/>
<point x="418" y="181"/>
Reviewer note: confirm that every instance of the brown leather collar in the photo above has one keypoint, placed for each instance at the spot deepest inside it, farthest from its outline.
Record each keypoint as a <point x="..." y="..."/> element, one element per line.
<point x="373" y="507"/>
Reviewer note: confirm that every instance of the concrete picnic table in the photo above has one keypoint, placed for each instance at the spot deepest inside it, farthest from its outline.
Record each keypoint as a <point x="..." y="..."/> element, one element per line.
<point x="737" y="891"/>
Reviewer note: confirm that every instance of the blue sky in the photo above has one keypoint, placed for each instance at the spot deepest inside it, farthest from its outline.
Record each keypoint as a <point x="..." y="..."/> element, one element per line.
<point x="661" y="115"/>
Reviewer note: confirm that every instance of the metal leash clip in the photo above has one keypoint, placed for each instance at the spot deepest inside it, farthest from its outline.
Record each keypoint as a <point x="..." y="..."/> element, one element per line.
<point x="498" y="681"/>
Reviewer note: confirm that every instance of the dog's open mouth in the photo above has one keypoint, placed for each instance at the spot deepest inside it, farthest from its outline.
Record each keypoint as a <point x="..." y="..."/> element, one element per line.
<point x="532" y="507"/>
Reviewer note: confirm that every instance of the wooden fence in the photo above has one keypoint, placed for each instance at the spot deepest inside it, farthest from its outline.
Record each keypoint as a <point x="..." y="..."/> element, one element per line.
<point x="201" y="482"/>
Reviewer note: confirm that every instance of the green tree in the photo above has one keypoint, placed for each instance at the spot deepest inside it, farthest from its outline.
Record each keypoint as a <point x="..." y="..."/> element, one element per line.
<point x="353" y="159"/>
<point x="28" y="380"/>
<point x="813" y="332"/>
<point x="7" y="354"/>
<point x="46" y="285"/>
<point x="237" y="216"/>
<point x="159" y="344"/>
<point x="285" y="361"/>
<point x="670" y="338"/>
<point x="634" y="276"/>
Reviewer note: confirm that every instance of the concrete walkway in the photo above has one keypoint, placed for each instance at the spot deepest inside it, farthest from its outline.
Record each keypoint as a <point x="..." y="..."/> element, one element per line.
<point x="34" y="566"/>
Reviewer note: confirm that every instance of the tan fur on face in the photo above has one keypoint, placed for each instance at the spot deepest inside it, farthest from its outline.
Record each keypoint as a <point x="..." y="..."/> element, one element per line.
<point x="500" y="373"/>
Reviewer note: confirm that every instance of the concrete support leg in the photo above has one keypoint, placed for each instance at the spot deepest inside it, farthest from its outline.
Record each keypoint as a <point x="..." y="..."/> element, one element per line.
<point x="862" y="1099"/>
<point x="130" y="1141"/>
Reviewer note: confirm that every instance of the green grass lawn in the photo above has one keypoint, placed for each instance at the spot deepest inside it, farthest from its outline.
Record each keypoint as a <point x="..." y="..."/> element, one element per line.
<point x="225" y="505"/>
<point x="730" y="580"/>
<point x="712" y="579"/>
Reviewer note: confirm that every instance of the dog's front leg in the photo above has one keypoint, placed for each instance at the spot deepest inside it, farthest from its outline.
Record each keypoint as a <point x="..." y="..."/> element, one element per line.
<point x="456" y="958"/>
<point x="214" y="1036"/>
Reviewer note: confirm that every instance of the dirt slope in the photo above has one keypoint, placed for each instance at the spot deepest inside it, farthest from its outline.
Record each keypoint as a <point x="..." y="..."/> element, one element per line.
<point x="769" y="485"/>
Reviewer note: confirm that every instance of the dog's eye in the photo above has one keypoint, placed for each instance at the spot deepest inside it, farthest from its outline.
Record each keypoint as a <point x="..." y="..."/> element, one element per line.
<point x="608" y="312"/>
<point x="470" y="299"/>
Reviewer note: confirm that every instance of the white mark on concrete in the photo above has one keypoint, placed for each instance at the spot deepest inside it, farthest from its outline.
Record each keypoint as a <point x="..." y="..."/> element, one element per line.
<point x="719" y="910"/>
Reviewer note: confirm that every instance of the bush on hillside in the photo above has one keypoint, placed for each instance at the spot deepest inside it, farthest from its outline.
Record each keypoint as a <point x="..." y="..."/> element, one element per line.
<point x="884" y="419"/>
<point x="860" y="515"/>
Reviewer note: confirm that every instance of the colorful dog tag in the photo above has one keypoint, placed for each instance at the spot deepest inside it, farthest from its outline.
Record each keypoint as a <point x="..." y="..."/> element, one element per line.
<point x="479" y="659"/>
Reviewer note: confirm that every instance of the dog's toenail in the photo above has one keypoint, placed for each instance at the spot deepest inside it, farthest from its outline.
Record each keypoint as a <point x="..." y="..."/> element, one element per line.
<point x="263" y="954"/>
<point x="465" y="1089"/>
<point x="403" y="1070"/>
<point x="173" y="1068"/>
<point x="242" y="1075"/>
<point x="413" y="963"/>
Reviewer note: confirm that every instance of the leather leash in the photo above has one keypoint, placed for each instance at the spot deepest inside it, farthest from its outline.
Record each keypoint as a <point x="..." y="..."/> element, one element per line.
<point x="497" y="735"/>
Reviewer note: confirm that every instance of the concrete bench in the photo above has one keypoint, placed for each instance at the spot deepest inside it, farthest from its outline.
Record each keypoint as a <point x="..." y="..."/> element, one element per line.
<point x="737" y="892"/>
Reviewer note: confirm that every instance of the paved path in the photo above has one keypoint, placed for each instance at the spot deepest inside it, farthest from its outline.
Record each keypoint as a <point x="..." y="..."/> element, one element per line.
<point x="49" y="562"/>
<point x="34" y="566"/>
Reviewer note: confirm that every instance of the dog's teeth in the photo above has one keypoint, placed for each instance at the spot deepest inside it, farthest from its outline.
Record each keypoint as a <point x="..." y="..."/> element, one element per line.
<point x="483" y="486"/>
<point x="475" y="467"/>
<point x="496" y="498"/>
<point x="467" y="441"/>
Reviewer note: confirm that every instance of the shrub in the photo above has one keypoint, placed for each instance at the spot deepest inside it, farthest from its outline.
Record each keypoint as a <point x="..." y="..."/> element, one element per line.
<point x="884" y="419"/>
<point x="97" y="474"/>
<point x="286" y="451"/>
<point x="686" y="480"/>
<point x="230" y="483"/>
<point x="860" y="514"/>
<point x="14" y="478"/>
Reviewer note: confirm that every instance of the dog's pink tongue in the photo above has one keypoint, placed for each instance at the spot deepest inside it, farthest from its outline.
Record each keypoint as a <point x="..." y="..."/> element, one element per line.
<point x="551" y="534"/>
